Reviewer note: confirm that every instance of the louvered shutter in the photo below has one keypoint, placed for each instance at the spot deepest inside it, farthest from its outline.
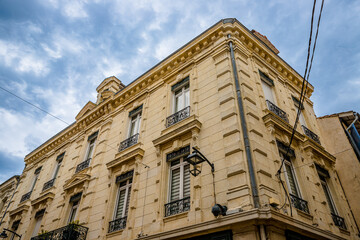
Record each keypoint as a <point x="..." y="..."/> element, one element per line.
<point x="175" y="184"/>
<point x="120" y="205"/>
<point x="291" y="179"/>
<point x="328" y="198"/>
<point x="127" y="202"/>
<point x="186" y="180"/>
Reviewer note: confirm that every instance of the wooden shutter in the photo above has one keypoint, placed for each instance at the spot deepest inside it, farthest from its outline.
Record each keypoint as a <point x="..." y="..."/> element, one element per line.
<point x="292" y="180"/>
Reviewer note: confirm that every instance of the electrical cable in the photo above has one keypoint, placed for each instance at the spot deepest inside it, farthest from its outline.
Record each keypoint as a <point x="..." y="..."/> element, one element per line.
<point x="303" y="91"/>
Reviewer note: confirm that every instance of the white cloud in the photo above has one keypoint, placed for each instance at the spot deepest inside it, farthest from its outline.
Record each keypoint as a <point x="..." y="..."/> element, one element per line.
<point x="74" y="9"/>
<point x="22" y="58"/>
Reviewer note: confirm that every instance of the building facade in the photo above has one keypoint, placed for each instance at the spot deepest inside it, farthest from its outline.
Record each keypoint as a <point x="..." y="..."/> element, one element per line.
<point x="121" y="170"/>
<point x="341" y="136"/>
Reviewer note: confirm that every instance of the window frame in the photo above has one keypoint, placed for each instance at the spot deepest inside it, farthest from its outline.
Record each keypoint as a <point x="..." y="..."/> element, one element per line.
<point x="293" y="173"/>
<point x="324" y="184"/>
<point x="74" y="207"/>
<point x="184" y="95"/>
<point x="127" y="188"/>
<point x="137" y="121"/>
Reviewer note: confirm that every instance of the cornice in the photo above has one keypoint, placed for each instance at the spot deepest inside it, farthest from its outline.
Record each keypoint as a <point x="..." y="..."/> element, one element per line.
<point x="215" y="35"/>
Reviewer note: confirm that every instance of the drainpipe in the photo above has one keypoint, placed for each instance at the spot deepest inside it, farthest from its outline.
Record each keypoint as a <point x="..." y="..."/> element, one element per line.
<point x="254" y="189"/>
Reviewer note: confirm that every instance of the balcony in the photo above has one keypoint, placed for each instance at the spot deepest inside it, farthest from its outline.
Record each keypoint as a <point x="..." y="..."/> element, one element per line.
<point x="178" y="206"/>
<point x="129" y="142"/>
<point x="311" y="135"/>
<point x="178" y="116"/>
<point x="275" y="109"/>
<point x="48" y="184"/>
<point x="299" y="203"/>
<point x="83" y="165"/>
<point x="26" y="196"/>
<point x="339" y="221"/>
<point x="117" y="224"/>
<point x="69" y="232"/>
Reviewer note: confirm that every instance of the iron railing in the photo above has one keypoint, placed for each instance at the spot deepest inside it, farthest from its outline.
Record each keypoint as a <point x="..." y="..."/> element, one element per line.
<point x="278" y="111"/>
<point x="178" y="206"/>
<point x="48" y="184"/>
<point x="26" y="196"/>
<point x="117" y="224"/>
<point x="69" y="232"/>
<point x="311" y="134"/>
<point x="129" y="142"/>
<point x="339" y="221"/>
<point x="83" y="165"/>
<point x="299" y="203"/>
<point x="178" y="116"/>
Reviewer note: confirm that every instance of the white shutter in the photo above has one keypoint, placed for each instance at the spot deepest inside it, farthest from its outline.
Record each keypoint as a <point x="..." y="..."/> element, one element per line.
<point x="291" y="180"/>
<point x="127" y="201"/>
<point x="186" y="180"/>
<point x="268" y="92"/>
<point x="175" y="184"/>
<point x="120" y="204"/>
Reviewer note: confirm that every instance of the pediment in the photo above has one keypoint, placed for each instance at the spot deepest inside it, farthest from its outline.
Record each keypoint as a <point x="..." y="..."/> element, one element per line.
<point x="76" y="180"/>
<point x="87" y="108"/>
<point x="133" y="153"/>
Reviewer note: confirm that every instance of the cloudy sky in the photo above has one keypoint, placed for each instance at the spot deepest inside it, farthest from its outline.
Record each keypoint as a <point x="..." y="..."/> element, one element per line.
<point x="55" y="53"/>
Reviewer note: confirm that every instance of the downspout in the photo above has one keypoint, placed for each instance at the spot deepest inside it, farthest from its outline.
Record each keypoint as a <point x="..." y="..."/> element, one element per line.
<point x="254" y="189"/>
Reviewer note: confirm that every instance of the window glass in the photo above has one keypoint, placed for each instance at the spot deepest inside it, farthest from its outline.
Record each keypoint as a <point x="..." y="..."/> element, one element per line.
<point x="123" y="199"/>
<point x="179" y="180"/>
<point x="268" y="92"/>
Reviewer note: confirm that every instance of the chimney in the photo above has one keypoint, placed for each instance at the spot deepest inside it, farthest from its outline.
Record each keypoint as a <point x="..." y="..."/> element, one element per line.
<point x="264" y="39"/>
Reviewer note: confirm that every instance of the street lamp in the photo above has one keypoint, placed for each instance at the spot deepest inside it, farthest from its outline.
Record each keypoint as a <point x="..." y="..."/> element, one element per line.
<point x="4" y="235"/>
<point x="197" y="158"/>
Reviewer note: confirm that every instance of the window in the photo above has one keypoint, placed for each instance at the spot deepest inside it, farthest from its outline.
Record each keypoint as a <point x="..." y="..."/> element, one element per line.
<point x="135" y="119"/>
<point x="181" y="95"/>
<point x="301" y="116"/>
<point x="290" y="178"/>
<point x="74" y="205"/>
<point x="324" y="176"/>
<point x="90" y="148"/>
<point x="124" y="182"/>
<point x="14" y="228"/>
<point x="38" y="218"/>
<point x="267" y="86"/>
<point x="179" y="182"/>
<point x="57" y="166"/>
<point x="35" y="178"/>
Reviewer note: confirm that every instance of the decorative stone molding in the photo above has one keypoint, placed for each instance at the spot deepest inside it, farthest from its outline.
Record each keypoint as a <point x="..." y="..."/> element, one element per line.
<point x="43" y="200"/>
<point x="78" y="179"/>
<point x="134" y="152"/>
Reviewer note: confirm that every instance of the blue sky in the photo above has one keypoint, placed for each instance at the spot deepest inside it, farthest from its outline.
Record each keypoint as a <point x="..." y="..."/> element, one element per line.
<point x="55" y="53"/>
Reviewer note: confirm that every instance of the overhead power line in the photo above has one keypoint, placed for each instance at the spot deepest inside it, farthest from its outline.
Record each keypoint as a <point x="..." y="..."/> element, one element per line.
<point x="303" y="91"/>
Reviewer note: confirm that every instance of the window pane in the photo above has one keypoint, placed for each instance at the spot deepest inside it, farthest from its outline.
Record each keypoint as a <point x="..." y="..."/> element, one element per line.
<point x="268" y="92"/>
<point x="179" y="103"/>
<point x="91" y="147"/>
<point x="175" y="184"/>
<point x="187" y="98"/>
<point x="328" y="197"/>
<point x="37" y="226"/>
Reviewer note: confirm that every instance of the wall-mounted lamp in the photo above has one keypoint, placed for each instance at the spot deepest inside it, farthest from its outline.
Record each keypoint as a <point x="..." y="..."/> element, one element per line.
<point x="197" y="158"/>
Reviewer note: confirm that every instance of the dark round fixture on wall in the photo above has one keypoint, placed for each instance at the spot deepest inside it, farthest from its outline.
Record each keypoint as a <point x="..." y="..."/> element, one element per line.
<point x="218" y="209"/>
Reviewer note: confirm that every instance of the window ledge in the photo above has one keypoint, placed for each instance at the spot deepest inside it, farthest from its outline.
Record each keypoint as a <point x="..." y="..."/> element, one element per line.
<point x="344" y="231"/>
<point x="130" y="153"/>
<point x="175" y="217"/>
<point x="304" y="214"/>
<point x="185" y="126"/>
<point x="114" y="233"/>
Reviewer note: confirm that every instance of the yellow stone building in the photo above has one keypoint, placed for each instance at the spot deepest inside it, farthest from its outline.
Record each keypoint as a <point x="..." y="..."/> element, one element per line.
<point x="121" y="170"/>
<point x="341" y="136"/>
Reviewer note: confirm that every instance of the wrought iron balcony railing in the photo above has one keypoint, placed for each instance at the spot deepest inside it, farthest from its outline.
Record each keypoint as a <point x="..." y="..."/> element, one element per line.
<point x="117" y="224"/>
<point x="178" y="116"/>
<point x="129" y="142"/>
<point x="48" y="184"/>
<point x="69" y="232"/>
<point x="26" y="196"/>
<point x="299" y="203"/>
<point x="83" y="165"/>
<point x="339" y="221"/>
<point x="311" y="134"/>
<point x="178" y="206"/>
<point x="278" y="111"/>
